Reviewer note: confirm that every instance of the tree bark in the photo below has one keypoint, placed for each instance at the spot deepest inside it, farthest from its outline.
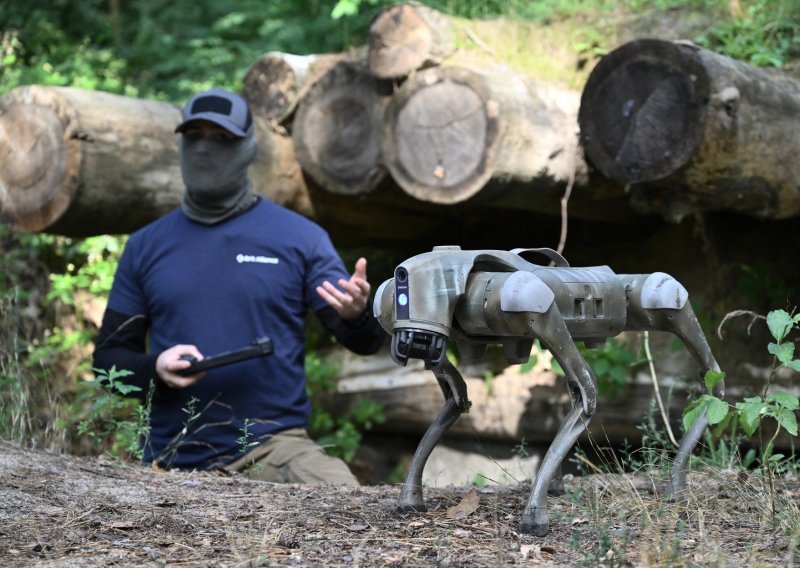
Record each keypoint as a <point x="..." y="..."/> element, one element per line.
<point x="692" y="130"/>
<point x="276" y="82"/>
<point x="453" y="134"/>
<point x="337" y="130"/>
<point x="81" y="163"/>
<point x="406" y="37"/>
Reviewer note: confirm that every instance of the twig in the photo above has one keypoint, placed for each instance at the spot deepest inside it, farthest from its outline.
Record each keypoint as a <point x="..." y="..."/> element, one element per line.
<point x="562" y="241"/>
<point x="655" y="387"/>
<point x="736" y="313"/>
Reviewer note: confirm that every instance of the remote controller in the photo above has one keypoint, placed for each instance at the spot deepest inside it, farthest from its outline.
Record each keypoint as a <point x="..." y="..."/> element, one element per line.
<point x="259" y="348"/>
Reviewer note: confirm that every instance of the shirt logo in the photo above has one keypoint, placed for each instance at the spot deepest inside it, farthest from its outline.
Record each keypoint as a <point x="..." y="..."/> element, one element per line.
<point x="240" y="258"/>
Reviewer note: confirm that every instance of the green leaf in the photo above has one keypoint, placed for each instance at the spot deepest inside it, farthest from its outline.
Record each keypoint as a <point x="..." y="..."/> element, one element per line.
<point x="783" y="351"/>
<point x="528" y="367"/>
<point x="785" y="399"/>
<point x="788" y="420"/>
<point x="124" y="389"/>
<point x="750" y="412"/>
<point x="692" y="412"/>
<point x="345" y="8"/>
<point x="556" y="368"/>
<point x="717" y="410"/>
<point x="779" y="323"/>
<point x="711" y="379"/>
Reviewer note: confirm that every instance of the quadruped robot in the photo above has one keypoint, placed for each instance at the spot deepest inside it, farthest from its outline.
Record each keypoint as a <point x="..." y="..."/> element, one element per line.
<point x="481" y="297"/>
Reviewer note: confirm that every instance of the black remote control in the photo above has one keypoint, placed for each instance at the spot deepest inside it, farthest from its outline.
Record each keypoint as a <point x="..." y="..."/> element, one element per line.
<point x="259" y="348"/>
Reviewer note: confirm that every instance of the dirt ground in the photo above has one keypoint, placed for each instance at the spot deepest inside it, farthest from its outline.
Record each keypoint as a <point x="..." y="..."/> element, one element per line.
<point x="58" y="510"/>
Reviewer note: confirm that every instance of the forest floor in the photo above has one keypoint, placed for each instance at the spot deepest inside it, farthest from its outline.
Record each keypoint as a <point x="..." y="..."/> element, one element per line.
<point x="59" y="510"/>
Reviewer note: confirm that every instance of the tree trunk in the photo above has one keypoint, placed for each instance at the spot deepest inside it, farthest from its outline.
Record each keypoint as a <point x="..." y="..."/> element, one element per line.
<point x="692" y="130"/>
<point x="406" y="37"/>
<point x="81" y="163"/>
<point x="337" y="130"/>
<point x="276" y="82"/>
<point x="453" y="134"/>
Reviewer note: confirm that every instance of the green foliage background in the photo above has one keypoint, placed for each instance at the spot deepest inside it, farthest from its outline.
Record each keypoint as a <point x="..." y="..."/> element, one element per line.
<point x="51" y="287"/>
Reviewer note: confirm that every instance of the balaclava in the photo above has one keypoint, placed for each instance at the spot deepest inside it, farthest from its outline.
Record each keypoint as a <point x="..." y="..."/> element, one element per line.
<point x="215" y="171"/>
<point x="215" y="175"/>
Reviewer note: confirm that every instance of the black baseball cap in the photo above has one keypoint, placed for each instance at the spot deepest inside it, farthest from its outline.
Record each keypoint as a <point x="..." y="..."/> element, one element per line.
<point x="221" y="107"/>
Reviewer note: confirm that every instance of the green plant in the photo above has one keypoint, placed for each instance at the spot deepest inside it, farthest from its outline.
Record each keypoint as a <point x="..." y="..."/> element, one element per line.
<point x="90" y="265"/>
<point x="47" y="283"/>
<point x="767" y="34"/>
<point x="521" y="449"/>
<point x="345" y="433"/>
<point x="341" y="435"/>
<point x="116" y="423"/>
<point x="749" y="414"/>
<point x="244" y="441"/>
<point x="15" y="396"/>
<point x="611" y="364"/>
<point x="592" y="524"/>
<point x="479" y="480"/>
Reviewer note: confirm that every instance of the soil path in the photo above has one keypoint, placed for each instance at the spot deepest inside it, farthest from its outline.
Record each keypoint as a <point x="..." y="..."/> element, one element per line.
<point x="58" y="510"/>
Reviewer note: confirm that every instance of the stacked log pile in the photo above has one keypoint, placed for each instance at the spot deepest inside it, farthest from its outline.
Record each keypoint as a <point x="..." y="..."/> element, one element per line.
<point x="399" y="146"/>
<point x="667" y="126"/>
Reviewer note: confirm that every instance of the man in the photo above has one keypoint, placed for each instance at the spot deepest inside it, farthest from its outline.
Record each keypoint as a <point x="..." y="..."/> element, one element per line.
<point x="225" y="268"/>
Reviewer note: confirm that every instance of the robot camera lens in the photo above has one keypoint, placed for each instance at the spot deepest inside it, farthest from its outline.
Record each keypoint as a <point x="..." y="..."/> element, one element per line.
<point x="402" y="275"/>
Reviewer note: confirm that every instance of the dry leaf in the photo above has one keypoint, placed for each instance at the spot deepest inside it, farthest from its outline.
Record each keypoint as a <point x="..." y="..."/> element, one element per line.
<point x="121" y="525"/>
<point x="526" y="549"/>
<point x="469" y="504"/>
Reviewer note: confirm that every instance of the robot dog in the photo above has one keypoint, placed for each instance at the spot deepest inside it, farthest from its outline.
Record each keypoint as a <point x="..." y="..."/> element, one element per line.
<point x="481" y="297"/>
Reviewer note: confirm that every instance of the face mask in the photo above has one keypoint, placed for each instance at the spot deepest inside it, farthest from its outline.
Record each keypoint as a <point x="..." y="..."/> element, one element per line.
<point x="215" y="175"/>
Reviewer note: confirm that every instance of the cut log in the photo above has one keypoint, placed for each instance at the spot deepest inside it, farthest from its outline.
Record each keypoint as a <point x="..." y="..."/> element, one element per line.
<point x="452" y="132"/>
<point x="692" y="130"/>
<point x="83" y="163"/>
<point x="406" y="37"/>
<point x="337" y="129"/>
<point x="275" y="83"/>
<point x="511" y="406"/>
<point x="80" y="163"/>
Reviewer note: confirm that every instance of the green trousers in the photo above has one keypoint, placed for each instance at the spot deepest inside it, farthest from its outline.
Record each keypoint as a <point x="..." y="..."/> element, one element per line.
<point x="292" y="456"/>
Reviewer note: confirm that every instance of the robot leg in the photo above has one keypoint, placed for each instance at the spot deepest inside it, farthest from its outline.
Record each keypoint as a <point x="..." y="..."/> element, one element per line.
<point x="454" y="389"/>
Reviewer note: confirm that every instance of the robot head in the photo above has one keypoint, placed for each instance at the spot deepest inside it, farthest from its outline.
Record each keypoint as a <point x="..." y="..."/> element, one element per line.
<point x="418" y="305"/>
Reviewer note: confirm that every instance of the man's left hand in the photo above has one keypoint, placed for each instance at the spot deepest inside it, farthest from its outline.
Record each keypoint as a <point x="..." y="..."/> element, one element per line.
<point x="351" y="300"/>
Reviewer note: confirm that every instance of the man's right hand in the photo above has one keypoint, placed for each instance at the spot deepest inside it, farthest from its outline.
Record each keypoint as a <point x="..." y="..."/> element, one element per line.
<point x="170" y="361"/>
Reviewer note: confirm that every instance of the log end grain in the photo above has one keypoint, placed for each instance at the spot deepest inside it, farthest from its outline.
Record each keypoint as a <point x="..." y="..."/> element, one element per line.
<point x="399" y="41"/>
<point x="39" y="157"/>
<point x="337" y="130"/>
<point x="270" y="86"/>
<point x="440" y="135"/>
<point x="643" y="110"/>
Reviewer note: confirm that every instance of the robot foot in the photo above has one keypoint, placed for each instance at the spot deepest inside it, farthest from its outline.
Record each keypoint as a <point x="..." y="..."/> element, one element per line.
<point x="536" y="529"/>
<point x="409" y="508"/>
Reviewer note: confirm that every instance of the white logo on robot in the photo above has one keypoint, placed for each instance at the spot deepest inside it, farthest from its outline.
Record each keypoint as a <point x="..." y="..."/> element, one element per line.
<point x="240" y="258"/>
